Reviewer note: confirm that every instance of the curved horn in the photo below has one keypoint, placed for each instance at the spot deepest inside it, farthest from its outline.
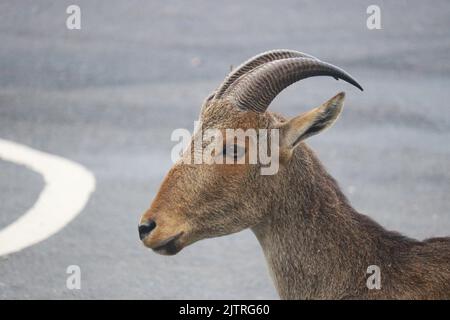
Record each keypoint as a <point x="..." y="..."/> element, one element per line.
<point x="255" y="62"/>
<point x="256" y="90"/>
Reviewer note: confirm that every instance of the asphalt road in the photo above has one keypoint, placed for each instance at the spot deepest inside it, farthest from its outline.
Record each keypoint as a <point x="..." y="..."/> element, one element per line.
<point x="109" y="95"/>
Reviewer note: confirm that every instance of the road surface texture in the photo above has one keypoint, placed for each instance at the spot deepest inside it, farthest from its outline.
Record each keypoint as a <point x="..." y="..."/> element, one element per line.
<point x="109" y="95"/>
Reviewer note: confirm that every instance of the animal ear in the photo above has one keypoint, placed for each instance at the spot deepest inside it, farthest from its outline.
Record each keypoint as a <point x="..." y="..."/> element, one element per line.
<point x="311" y="122"/>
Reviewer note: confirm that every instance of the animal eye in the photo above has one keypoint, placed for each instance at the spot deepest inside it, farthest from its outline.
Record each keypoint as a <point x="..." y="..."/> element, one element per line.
<point x="235" y="151"/>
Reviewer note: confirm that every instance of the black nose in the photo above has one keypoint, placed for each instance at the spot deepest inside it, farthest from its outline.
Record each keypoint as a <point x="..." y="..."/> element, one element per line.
<point x="146" y="228"/>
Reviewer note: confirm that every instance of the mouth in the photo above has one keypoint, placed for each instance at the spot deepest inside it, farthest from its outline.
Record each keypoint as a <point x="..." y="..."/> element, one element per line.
<point x="168" y="246"/>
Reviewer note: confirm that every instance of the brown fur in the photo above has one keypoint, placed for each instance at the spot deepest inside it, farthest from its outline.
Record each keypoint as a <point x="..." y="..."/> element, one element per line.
<point x="317" y="246"/>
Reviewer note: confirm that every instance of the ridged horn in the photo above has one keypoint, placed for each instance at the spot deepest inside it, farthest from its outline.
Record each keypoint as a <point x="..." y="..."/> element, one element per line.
<point x="255" y="62"/>
<point x="256" y="89"/>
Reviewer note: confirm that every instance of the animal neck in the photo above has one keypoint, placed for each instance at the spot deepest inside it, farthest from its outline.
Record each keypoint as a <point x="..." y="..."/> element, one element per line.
<point x="317" y="246"/>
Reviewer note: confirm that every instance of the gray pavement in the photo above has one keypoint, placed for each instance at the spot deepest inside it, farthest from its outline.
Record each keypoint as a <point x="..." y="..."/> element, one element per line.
<point x="108" y="96"/>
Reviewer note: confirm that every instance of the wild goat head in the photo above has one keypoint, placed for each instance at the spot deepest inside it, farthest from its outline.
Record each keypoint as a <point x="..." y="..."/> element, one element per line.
<point x="207" y="199"/>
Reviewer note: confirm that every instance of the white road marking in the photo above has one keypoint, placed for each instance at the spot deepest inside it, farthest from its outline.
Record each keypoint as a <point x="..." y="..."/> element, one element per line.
<point x="68" y="186"/>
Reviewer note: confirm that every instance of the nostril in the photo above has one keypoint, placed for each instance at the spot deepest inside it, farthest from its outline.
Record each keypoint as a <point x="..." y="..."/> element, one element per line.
<point x="146" y="228"/>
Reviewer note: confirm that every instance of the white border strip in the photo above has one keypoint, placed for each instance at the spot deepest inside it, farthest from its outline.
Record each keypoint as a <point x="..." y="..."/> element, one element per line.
<point x="68" y="186"/>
